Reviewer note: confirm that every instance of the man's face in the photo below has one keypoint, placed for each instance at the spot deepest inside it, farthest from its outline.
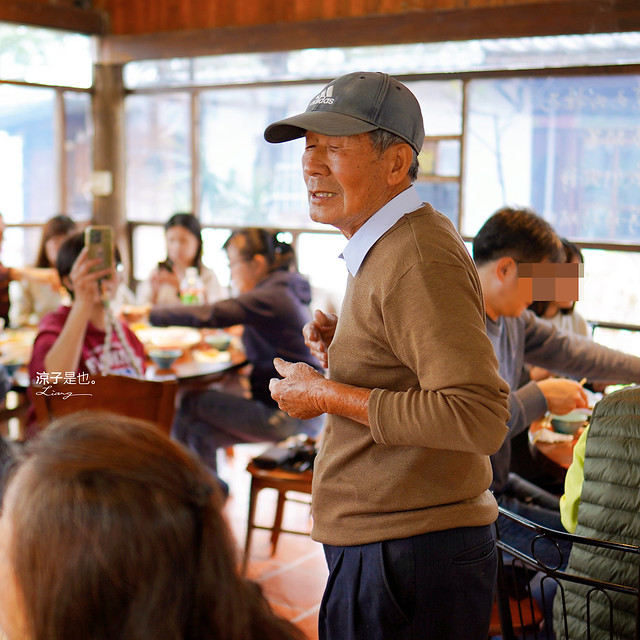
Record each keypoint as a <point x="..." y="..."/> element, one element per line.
<point x="547" y="281"/>
<point x="346" y="180"/>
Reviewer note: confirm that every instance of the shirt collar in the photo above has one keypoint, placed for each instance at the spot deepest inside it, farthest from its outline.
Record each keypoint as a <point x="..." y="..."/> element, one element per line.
<point x="380" y="222"/>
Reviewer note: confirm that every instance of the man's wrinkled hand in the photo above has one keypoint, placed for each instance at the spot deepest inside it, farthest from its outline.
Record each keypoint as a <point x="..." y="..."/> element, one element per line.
<point x="299" y="390"/>
<point x="318" y="334"/>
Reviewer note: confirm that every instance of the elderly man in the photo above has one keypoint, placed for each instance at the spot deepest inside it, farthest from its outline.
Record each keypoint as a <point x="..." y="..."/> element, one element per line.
<point x="414" y="401"/>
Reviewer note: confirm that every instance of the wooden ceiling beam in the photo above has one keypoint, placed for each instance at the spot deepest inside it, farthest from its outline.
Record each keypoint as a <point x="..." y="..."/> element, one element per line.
<point x="534" y="19"/>
<point x="37" y="14"/>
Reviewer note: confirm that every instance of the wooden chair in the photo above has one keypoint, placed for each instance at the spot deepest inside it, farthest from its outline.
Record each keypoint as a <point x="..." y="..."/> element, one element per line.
<point x="135" y="398"/>
<point x="282" y="482"/>
<point x="520" y="615"/>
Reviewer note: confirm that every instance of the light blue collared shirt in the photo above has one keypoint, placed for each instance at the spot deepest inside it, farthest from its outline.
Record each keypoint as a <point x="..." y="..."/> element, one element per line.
<point x="380" y="222"/>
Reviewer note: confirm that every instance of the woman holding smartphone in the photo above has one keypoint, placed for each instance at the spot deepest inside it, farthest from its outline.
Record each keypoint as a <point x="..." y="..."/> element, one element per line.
<point x="85" y="337"/>
<point x="184" y="249"/>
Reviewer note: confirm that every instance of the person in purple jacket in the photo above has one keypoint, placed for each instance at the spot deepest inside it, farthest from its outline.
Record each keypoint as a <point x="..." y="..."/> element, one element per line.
<point x="273" y="305"/>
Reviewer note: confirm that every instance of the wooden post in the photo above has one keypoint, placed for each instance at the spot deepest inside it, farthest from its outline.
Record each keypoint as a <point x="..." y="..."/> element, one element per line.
<point x="108" y="153"/>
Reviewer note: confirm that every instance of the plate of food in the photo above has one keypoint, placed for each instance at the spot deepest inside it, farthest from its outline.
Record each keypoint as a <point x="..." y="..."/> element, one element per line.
<point x="16" y="345"/>
<point x="168" y="337"/>
<point x="211" y="355"/>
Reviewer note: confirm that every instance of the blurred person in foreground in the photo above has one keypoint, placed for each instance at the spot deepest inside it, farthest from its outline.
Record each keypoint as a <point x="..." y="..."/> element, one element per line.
<point x="414" y="401"/>
<point x="110" y="530"/>
<point x="272" y="305"/>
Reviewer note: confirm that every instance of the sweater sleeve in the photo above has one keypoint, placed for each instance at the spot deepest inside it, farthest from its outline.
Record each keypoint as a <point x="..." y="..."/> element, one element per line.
<point x="576" y="356"/>
<point x="434" y="321"/>
<point x="526" y="405"/>
<point x="244" y="309"/>
<point x="573" y="483"/>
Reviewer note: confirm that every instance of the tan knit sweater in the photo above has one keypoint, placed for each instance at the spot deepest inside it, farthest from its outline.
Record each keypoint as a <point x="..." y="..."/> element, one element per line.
<point x="412" y="329"/>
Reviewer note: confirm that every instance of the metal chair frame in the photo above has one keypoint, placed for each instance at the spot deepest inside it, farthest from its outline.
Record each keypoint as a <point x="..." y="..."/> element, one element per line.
<point x="531" y="564"/>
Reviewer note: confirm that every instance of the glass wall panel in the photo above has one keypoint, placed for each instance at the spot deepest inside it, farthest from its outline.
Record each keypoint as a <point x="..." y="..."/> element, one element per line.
<point x="441" y="105"/>
<point x="318" y="258"/>
<point x="45" y="56"/>
<point x="609" y="292"/>
<point x="149" y="248"/>
<point x="78" y="150"/>
<point x="244" y="179"/>
<point x="214" y="256"/>
<point x="400" y="59"/>
<point x="28" y="163"/>
<point x="568" y="147"/>
<point x="158" y="169"/>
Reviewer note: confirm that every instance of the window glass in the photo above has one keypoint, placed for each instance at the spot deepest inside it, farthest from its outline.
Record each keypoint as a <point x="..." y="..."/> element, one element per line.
<point x="149" y="248"/>
<point x="246" y="181"/>
<point x="443" y="196"/>
<point x="45" y="56"/>
<point x="429" y="57"/>
<point x="318" y="259"/>
<point x="78" y="154"/>
<point x="158" y="156"/>
<point x="214" y="256"/>
<point x="14" y="251"/>
<point x="608" y="290"/>
<point x="568" y="147"/>
<point x="441" y="105"/>
<point x="28" y="177"/>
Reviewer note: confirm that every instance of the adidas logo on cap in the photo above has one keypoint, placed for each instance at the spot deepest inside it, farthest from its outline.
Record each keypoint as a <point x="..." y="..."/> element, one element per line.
<point x="324" y="97"/>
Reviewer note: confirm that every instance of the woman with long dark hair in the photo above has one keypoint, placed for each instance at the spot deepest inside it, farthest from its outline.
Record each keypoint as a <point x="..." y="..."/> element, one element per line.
<point x="30" y="300"/>
<point x="183" y="236"/>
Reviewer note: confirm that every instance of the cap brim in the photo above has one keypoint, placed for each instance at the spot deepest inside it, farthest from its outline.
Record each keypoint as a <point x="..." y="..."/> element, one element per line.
<point x="327" y="123"/>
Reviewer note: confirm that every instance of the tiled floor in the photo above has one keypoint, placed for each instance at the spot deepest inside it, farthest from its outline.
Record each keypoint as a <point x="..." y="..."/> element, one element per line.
<point x="294" y="578"/>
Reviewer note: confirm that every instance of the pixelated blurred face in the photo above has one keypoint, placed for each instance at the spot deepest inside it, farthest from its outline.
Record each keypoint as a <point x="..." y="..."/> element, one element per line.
<point x="547" y="281"/>
<point x="12" y="620"/>
<point x="182" y="246"/>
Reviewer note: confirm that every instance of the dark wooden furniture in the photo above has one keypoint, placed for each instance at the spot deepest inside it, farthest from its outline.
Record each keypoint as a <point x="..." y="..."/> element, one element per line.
<point x="282" y="482"/>
<point x="145" y="399"/>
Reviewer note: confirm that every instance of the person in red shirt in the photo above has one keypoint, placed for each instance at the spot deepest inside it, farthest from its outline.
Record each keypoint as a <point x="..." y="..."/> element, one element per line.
<point x="85" y="337"/>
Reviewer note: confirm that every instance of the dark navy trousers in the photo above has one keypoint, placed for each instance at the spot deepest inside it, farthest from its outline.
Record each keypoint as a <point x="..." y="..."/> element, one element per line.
<point x="437" y="585"/>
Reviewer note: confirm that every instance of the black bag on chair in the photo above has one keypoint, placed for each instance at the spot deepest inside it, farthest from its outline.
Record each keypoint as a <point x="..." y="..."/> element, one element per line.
<point x="296" y="457"/>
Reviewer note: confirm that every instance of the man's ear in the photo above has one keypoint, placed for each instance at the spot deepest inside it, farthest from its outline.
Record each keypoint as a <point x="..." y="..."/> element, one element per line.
<point x="504" y="267"/>
<point x="401" y="157"/>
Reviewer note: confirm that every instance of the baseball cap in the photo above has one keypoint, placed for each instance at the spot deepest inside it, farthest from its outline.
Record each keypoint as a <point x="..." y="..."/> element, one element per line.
<point x="356" y="103"/>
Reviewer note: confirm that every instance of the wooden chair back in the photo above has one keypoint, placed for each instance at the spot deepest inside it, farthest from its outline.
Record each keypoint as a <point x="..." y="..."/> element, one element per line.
<point x="150" y="400"/>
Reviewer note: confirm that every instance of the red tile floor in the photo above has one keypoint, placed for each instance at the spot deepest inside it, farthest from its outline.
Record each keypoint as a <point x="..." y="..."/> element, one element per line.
<point x="294" y="578"/>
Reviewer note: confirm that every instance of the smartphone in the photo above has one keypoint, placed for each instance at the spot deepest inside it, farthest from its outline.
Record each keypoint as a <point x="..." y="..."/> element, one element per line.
<point x="167" y="265"/>
<point x="99" y="241"/>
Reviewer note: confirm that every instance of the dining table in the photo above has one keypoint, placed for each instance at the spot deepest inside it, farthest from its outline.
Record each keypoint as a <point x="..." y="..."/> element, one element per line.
<point x="206" y="357"/>
<point x="551" y="450"/>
